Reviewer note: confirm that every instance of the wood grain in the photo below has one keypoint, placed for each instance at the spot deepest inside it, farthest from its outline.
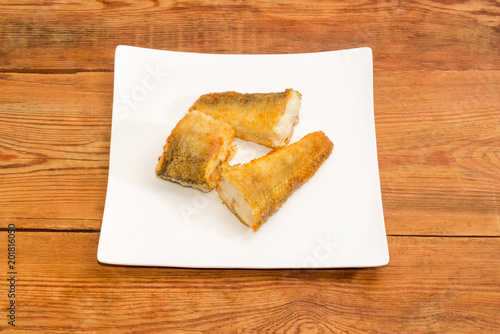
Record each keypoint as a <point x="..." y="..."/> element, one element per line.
<point x="438" y="136"/>
<point x="423" y="35"/>
<point x="54" y="148"/>
<point x="439" y="150"/>
<point x="430" y="286"/>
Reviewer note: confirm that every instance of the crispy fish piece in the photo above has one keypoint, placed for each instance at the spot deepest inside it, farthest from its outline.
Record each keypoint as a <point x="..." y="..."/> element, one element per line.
<point x="256" y="190"/>
<point x="197" y="151"/>
<point x="268" y="119"/>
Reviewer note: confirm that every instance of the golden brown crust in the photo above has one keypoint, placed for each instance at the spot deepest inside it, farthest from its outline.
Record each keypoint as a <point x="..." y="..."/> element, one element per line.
<point x="194" y="152"/>
<point x="254" y="115"/>
<point x="267" y="182"/>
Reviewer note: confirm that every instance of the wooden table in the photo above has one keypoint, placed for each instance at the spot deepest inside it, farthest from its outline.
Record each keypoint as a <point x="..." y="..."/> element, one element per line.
<point x="437" y="110"/>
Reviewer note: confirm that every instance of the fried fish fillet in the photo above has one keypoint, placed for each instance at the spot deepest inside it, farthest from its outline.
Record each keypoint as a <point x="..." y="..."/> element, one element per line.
<point x="256" y="190"/>
<point x="197" y="151"/>
<point x="265" y="118"/>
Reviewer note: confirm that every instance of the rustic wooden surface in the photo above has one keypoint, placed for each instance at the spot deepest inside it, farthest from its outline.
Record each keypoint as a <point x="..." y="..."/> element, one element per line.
<point x="437" y="113"/>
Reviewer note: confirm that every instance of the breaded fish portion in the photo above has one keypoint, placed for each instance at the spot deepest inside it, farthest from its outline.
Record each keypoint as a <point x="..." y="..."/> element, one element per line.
<point x="256" y="190"/>
<point x="265" y="118"/>
<point x="197" y="151"/>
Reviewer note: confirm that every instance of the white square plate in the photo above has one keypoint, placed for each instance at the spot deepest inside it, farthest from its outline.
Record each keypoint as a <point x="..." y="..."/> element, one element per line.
<point x="335" y="220"/>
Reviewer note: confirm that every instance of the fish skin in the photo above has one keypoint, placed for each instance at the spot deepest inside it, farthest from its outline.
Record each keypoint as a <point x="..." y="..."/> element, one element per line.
<point x="254" y="115"/>
<point x="267" y="182"/>
<point x="191" y="152"/>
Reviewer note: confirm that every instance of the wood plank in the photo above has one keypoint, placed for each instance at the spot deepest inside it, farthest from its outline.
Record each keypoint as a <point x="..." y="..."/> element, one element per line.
<point x="83" y="35"/>
<point x="438" y="160"/>
<point x="61" y="116"/>
<point x="439" y="150"/>
<point x="430" y="286"/>
<point x="54" y="148"/>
